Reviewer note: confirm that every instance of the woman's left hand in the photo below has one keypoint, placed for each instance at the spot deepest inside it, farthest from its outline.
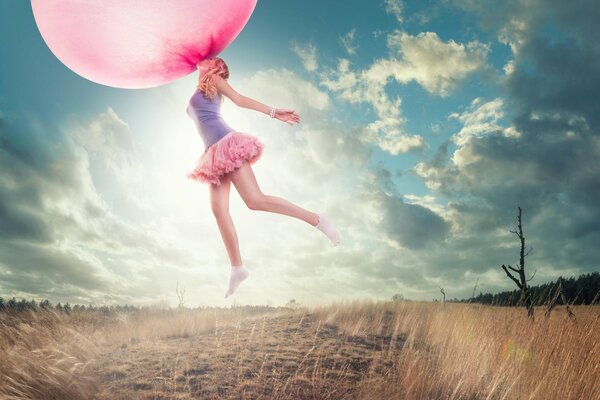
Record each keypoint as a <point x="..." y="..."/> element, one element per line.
<point x="286" y="115"/>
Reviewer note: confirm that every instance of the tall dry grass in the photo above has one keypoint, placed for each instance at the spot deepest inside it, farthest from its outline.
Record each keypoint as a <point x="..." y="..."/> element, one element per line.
<point x="470" y="351"/>
<point x="41" y="353"/>
<point x="44" y="354"/>
<point x="423" y="350"/>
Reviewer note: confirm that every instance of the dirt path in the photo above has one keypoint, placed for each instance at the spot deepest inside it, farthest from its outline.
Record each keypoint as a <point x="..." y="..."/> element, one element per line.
<point x="291" y="356"/>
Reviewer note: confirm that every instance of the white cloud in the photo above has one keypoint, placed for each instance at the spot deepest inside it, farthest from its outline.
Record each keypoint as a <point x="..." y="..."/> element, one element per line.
<point x="108" y="140"/>
<point x="282" y="86"/>
<point x="481" y="119"/>
<point x="432" y="175"/>
<point x="378" y="32"/>
<point x="395" y="7"/>
<point x="388" y="137"/>
<point x="427" y="201"/>
<point x="436" y="65"/>
<point x="478" y="120"/>
<point x="513" y="34"/>
<point x="308" y="55"/>
<point x="509" y="67"/>
<point x="348" y="41"/>
<point x="368" y="87"/>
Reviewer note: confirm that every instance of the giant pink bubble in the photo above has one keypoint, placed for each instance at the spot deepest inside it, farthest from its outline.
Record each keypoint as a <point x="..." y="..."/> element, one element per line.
<point x="138" y="44"/>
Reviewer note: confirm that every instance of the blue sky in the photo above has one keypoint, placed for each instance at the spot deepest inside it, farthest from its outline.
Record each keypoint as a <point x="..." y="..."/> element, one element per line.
<point x="424" y="125"/>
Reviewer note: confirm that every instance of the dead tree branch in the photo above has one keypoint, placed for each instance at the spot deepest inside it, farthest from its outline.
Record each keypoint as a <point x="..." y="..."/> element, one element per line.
<point x="520" y="280"/>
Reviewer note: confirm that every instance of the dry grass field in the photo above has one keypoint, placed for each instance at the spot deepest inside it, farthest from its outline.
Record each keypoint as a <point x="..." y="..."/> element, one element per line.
<point x="352" y="350"/>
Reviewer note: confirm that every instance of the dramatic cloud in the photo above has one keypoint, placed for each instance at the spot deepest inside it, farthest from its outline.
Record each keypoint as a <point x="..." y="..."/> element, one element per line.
<point x="367" y="87"/>
<point x="544" y="159"/>
<point x="59" y="235"/>
<point x="533" y="147"/>
<point x="99" y="209"/>
<point x="436" y="65"/>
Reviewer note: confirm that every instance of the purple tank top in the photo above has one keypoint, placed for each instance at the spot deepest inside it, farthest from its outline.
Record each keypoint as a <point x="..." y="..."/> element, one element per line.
<point x="206" y="114"/>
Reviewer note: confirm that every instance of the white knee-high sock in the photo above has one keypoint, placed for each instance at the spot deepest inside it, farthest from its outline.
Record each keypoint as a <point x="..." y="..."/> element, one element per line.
<point x="237" y="275"/>
<point x="326" y="226"/>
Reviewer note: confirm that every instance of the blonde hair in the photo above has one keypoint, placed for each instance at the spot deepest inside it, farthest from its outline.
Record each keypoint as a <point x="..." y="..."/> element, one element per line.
<point x="205" y="82"/>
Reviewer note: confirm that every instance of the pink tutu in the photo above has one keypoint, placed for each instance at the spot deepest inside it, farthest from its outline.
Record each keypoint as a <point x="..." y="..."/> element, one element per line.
<point x="225" y="155"/>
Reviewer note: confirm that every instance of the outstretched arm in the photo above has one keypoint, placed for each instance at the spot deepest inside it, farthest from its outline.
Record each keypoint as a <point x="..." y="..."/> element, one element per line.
<point x="240" y="100"/>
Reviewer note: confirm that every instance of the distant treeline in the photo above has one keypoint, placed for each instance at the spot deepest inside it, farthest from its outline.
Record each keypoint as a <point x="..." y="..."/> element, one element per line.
<point x="583" y="290"/>
<point x="579" y="291"/>
<point x="24" y="304"/>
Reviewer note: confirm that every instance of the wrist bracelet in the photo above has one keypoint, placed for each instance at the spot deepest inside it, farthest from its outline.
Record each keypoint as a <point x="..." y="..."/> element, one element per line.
<point x="272" y="112"/>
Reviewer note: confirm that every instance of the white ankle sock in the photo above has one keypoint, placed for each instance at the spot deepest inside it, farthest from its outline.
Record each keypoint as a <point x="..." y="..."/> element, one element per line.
<point x="326" y="226"/>
<point x="237" y="275"/>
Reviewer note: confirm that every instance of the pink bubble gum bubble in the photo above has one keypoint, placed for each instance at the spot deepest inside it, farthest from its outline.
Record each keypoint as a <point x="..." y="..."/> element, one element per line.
<point x="138" y="44"/>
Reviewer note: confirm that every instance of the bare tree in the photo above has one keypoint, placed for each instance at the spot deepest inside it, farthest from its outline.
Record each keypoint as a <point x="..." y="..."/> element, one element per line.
<point x="179" y="295"/>
<point x="443" y="295"/>
<point x="525" y="299"/>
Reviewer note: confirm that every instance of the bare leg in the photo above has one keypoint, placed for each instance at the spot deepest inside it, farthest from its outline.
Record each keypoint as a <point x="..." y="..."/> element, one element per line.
<point x="219" y="202"/>
<point x="245" y="182"/>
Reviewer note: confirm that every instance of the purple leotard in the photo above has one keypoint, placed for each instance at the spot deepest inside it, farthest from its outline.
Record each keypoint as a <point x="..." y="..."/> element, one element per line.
<point x="206" y="114"/>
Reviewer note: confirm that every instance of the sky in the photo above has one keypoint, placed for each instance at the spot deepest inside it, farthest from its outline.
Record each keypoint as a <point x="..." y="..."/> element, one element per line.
<point x="424" y="125"/>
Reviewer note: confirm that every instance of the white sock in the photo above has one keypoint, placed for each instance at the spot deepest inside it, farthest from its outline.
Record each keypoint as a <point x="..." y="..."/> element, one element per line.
<point x="237" y="275"/>
<point x="326" y="226"/>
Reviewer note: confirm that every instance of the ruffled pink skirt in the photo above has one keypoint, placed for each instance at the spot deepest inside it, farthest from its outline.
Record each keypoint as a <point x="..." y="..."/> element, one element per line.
<point x="225" y="155"/>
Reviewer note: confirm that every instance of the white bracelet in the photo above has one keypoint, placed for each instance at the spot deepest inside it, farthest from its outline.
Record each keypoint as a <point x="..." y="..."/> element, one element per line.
<point x="272" y="112"/>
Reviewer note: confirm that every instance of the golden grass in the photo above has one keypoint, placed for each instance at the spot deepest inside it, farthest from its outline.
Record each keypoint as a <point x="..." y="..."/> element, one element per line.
<point x="462" y="351"/>
<point x="354" y="350"/>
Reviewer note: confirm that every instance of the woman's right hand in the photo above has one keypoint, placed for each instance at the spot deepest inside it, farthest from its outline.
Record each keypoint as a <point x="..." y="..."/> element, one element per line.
<point x="286" y="115"/>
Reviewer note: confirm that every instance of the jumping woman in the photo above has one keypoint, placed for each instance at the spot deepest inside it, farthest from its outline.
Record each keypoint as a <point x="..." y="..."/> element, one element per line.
<point x="228" y="156"/>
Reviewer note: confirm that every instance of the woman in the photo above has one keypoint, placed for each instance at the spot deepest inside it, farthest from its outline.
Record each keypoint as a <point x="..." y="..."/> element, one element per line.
<point x="228" y="156"/>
